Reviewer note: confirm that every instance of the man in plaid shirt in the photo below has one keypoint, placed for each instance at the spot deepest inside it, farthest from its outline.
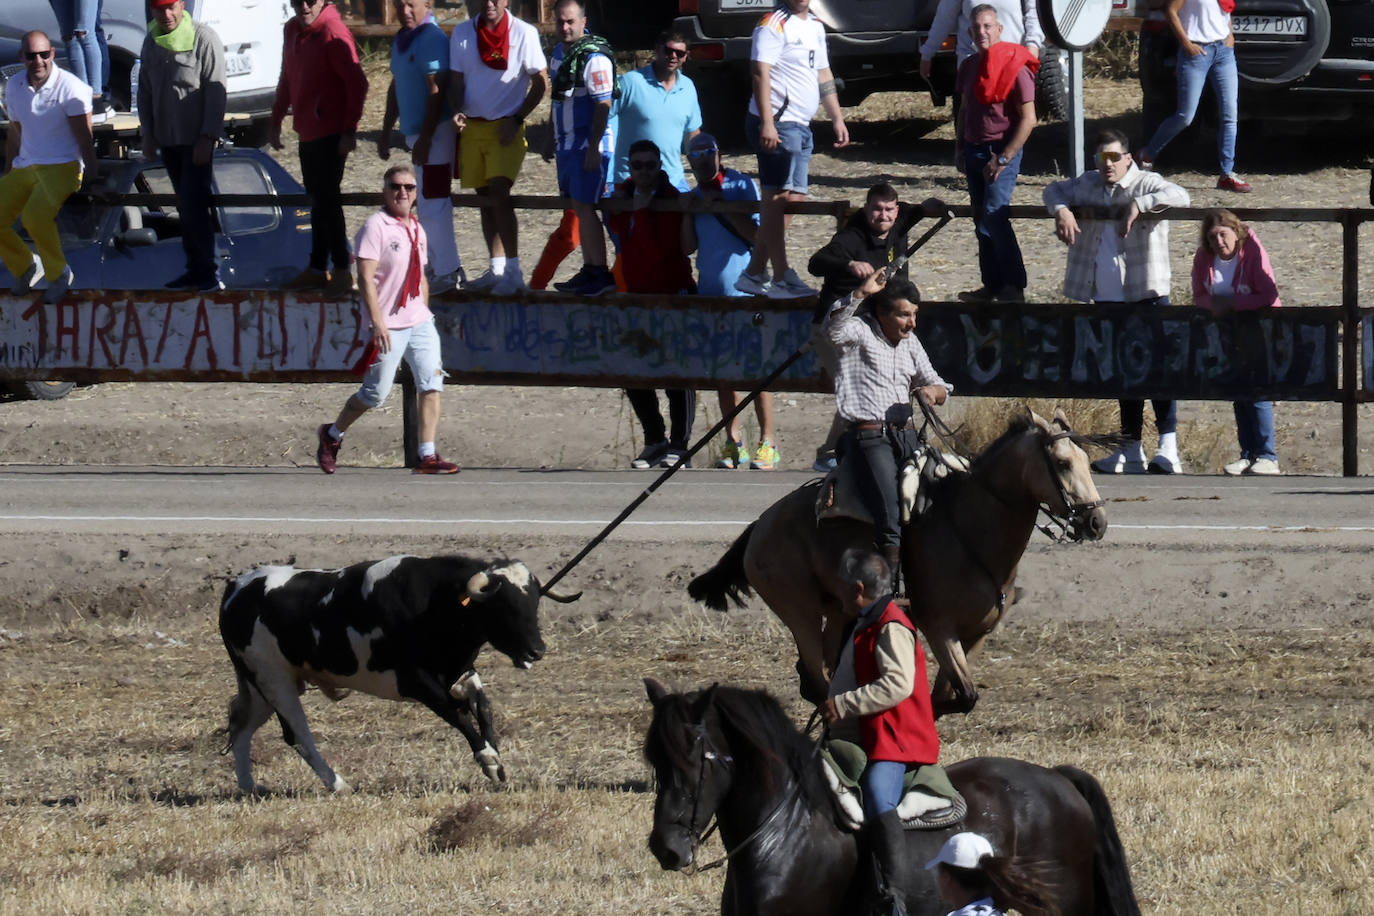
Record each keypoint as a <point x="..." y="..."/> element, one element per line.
<point x="881" y="364"/>
<point x="1123" y="260"/>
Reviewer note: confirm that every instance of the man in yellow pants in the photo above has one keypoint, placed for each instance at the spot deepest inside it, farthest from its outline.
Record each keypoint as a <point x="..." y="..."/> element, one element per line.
<point x="48" y="140"/>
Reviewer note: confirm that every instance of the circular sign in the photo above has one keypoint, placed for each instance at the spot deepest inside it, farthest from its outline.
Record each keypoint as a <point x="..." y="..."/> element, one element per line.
<point x="1073" y="24"/>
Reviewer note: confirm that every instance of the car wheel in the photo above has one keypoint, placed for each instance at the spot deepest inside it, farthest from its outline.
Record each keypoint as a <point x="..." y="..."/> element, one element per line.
<point x="1272" y="63"/>
<point x="43" y="391"/>
<point x="1052" y="85"/>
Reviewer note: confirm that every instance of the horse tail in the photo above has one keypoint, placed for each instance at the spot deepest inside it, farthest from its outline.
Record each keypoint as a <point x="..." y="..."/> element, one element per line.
<point x="1111" y="877"/>
<point x="726" y="580"/>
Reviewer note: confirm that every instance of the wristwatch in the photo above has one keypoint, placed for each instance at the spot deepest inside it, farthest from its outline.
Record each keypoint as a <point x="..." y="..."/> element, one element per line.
<point x="1003" y="160"/>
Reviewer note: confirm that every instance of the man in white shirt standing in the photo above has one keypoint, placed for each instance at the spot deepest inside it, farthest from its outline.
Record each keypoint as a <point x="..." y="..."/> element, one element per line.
<point x="49" y="139"/>
<point x="498" y="77"/>
<point x="1121" y="261"/>
<point x="792" y="77"/>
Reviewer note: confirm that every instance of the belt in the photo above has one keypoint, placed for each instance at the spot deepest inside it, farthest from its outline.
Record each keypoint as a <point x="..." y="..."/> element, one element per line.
<point x="870" y="425"/>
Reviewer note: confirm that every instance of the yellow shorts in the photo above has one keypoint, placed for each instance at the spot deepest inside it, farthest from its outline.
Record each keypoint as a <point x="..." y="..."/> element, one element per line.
<point x="481" y="156"/>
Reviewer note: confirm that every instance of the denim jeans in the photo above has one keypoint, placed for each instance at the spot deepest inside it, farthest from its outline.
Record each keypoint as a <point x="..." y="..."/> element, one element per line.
<point x="1217" y="64"/>
<point x="192" y="184"/>
<point x="85" y="51"/>
<point x="882" y="786"/>
<point x="1133" y="417"/>
<point x="1255" y="429"/>
<point x="999" y="256"/>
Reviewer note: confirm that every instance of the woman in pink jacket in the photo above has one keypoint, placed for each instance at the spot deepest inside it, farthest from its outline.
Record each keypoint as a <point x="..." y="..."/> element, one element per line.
<point x="1231" y="272"/>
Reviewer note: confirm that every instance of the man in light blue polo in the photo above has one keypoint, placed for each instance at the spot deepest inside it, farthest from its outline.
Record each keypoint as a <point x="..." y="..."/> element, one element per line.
<point x="658" y="103"/>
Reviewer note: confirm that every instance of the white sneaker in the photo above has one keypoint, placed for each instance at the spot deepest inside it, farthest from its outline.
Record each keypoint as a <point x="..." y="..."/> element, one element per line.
<point x="1237" y="467"/>
<point x="29" y="280"/>
<point x="1267" y="467"/>
<point x="790" y="286"/>
<point x="753" y="284"/>
<point x="511" y="282"/>
<point x="58" y="288"/>
<point x="485" y="283"/>
<point x="652" y="454"/>
<point x="1165" y="463"/>
<point x="1129" y="459"/>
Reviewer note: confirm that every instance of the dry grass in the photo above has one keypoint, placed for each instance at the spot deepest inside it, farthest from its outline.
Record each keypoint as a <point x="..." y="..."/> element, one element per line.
<point x="1233" y="760"/>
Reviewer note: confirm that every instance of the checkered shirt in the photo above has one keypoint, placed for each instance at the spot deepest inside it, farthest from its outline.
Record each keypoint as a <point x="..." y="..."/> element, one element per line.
<point x="1145" y="250"/>
<point x="875" y="376"/>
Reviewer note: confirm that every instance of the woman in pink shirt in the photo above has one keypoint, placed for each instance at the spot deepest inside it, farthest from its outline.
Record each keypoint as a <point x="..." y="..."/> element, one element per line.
<point x="1231" y="272"/>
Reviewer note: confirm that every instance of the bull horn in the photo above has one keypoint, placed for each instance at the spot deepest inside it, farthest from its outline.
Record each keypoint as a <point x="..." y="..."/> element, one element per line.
<point x="561" y="599"/>
<point x="477" y="583"/>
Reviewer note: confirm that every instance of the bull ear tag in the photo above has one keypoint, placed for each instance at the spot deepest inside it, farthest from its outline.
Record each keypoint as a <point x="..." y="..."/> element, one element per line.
<point x="465" y="601"/>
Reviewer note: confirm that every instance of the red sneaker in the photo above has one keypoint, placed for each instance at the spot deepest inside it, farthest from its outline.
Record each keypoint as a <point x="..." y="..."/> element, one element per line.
<point x="433" y="464"/>
<point x="327" y="455"/>
<point x="1232" y="183"/>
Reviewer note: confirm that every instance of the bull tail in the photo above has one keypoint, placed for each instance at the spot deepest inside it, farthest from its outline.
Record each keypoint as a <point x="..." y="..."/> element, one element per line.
<point x="725" y="581"/>
<point x="1111" y="877"/>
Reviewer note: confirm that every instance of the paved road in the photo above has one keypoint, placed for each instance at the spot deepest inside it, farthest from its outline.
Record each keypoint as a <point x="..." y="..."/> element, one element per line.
<point x="693" y="506"/>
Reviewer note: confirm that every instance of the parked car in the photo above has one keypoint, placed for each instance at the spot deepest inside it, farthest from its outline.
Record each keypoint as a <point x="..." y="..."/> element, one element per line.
<point x="250" y="29"/>
<point x="129" y="247"/>
<point x="1300" y="60"/>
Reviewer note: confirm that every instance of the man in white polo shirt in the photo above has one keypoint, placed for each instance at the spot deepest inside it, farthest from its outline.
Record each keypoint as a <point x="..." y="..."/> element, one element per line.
<point x="48" y="141"/>
<point x="498" y="75"/>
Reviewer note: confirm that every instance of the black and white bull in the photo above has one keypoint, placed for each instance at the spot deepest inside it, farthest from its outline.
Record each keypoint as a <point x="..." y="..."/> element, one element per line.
<point x="404" y="628"/>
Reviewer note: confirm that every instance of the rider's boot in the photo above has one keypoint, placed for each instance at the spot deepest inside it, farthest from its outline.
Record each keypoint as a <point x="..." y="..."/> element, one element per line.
<point x="886" y="841"/>
<point x="892" y="553"/>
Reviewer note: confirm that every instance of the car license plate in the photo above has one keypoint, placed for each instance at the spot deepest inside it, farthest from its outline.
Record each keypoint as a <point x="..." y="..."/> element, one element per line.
<point x="1285" y="26"/>
<point x="747" y="6"/>
<point x="238" y="64"/>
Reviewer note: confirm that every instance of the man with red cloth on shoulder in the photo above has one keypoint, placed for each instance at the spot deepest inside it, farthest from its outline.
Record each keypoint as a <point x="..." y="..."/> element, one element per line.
<point x="880" y="684"/>
<point x="997" y="85"/>
<point x="498" y="75"/>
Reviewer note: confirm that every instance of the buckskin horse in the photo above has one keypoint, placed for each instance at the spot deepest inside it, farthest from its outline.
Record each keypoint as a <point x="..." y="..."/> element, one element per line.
<point x="734" y="755"/>
<point x="960" y="555"/>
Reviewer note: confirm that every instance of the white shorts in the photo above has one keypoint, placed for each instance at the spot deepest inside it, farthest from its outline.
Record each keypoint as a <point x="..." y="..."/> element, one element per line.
<point x="419" y="346"/>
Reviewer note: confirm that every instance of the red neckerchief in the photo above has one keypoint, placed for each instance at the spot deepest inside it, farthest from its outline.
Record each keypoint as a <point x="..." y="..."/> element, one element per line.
<point x="1227" y="6"/>
<point x="494" y="44"/>
<point x="414" y="272"/>
<point x="716" y="182"/>
<point x="998" y="69"/>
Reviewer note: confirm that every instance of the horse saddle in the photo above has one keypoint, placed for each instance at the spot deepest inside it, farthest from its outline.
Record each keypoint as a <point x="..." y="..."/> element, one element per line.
<point x="929" y="799"/>
<point x="839" y="496"/>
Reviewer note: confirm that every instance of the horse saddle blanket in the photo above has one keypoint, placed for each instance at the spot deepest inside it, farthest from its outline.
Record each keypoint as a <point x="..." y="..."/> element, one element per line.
<point x="929" y="799"/>
<point x="839" y="497"/>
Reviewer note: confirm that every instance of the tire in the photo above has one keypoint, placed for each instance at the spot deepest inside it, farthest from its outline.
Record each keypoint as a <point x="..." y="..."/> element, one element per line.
<point x="724" y="96"/>
<point x="1282" y="63"/>
<point x="1052" y="85"/>
<point x="44" y="391"/>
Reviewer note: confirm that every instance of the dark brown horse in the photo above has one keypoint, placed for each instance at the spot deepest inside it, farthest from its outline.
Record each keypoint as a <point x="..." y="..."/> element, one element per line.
<point x="734" y="755"/>
<point x="960" y="556"/>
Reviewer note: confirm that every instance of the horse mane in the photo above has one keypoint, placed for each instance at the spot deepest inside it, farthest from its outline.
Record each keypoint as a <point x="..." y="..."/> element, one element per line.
<point x="754" y="722"/>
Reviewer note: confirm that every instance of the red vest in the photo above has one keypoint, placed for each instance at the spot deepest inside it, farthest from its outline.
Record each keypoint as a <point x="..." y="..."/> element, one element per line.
<point x="906" y="732"/>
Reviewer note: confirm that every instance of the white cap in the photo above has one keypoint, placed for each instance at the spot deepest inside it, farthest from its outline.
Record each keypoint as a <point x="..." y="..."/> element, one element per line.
<point x="963" y="850"/>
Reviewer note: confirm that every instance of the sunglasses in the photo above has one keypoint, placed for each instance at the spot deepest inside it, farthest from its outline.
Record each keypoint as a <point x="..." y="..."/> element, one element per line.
<point x="1107" y="155"/>
<point x="680" y="53"/>
<point x="38" y="55"/>
<point x="705" y="152"/>
<point x="643" y="165"/>
<point x="398" y="186"/>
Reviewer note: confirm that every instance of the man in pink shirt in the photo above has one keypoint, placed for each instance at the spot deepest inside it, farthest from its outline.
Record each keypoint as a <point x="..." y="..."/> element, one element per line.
<point x="391" y="250"/>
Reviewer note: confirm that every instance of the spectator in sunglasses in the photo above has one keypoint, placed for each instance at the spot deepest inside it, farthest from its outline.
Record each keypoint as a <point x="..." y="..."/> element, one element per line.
<point x="1123" y="260"/>
<point x="48" y="142"/>
<point x="658" y="103"/>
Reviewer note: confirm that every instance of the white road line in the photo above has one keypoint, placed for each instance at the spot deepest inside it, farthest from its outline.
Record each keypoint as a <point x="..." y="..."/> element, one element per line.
<point x="648" y="523"/>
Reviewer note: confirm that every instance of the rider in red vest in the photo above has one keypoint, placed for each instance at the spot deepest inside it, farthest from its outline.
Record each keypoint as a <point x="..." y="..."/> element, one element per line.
<point x="880" y="681"/>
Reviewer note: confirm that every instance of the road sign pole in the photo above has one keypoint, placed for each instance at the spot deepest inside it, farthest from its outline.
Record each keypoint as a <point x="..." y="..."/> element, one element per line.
<point x="1076" y="112"/>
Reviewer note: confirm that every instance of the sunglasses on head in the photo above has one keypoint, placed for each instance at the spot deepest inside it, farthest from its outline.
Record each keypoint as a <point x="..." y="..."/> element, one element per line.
<point x="400" y="186"/>
<point x="38" y="55"/>
<point x="1108" y="155"/>
<point x="643" y="165"/>
<point x="675" y="52"/>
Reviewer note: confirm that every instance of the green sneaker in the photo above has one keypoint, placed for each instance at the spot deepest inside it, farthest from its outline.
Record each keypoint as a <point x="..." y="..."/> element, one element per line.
<point x="735" y="456"/>
<point x="766" y="457"/>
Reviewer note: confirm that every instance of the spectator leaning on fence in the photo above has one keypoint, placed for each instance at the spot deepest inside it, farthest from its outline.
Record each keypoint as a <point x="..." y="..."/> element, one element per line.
<point x="1206" y="53"/>
<point x="584" y="137"/>
<point x="1231" y="272"/>
<point x="323" y="86"/>
<point x="181" y="100"/>
<point x="651" y="256"/>
<point x="1121" y="261"/>
<point x="873" y="239"/>
<point x="498" y="75"/>
<point x="722" y="243"/>
<point x="89" y="55"/>
<point x="791" y="78"/>
<point x="995" y="121"/>
<point x="659" y="103"/>
<point x="391" y="275"/>
<point x="418" y="95"/>
<point x="48" y="141"/>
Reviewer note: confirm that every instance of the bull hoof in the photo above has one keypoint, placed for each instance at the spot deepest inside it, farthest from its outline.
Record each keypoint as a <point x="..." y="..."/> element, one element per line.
<point x="340" y="787"/>
<point x="490" y="761"/>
